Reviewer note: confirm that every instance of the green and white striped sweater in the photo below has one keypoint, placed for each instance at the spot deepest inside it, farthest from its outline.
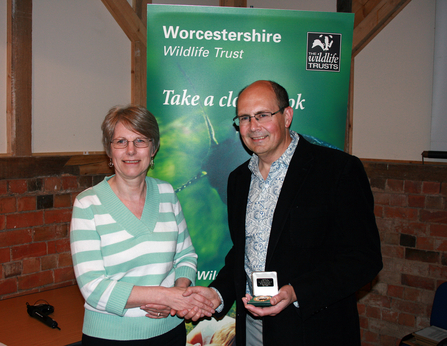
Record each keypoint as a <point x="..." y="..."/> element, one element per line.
<point x="113" y="250"/>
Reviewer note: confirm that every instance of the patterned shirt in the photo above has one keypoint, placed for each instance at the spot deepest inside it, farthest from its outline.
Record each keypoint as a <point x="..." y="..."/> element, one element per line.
<point x="262" y="199"/>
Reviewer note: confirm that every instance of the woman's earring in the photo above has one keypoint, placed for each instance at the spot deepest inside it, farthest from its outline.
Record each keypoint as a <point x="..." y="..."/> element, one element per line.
<point x="151" y="164"/>
<point x="110" y="163"/>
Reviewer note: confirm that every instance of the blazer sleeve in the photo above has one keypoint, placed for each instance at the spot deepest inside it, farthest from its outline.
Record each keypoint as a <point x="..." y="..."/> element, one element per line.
<point x="230" y="282"/>
<point x="339" y="237"/>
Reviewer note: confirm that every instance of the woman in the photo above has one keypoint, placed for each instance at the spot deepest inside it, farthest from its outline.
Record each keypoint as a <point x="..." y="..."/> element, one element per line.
<point x="130" y="244"/>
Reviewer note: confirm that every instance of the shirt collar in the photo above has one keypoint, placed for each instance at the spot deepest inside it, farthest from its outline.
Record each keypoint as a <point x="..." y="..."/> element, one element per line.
<point x="283" y="160"/>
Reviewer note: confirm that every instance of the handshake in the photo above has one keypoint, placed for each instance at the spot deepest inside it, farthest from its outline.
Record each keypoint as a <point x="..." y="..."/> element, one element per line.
<point x="190" y="303"/>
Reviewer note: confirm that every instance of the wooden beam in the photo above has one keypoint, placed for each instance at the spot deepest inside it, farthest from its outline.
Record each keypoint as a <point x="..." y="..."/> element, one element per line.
<point x="19" y="69"/>
<point x="375" y="21"/>
<point x="127" y="19"/>
<point x="233" y="3"/>
<point x="139" y="58"/>
<point x="350" y="112"/>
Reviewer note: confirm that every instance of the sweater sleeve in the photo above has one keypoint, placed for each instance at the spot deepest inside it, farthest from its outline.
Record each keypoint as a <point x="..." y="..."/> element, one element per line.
<point x="100" y="292"/>
<point x="185" y="259"/>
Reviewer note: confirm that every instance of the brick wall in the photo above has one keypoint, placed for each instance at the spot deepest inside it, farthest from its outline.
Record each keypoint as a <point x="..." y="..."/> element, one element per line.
<point x="36" y="200"/>
<point x="410" y="204"/>
<point x="411" y="214"/>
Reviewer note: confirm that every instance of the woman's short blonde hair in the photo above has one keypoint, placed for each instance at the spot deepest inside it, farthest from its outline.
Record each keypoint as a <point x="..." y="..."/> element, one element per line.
<point x="134" y="118"/>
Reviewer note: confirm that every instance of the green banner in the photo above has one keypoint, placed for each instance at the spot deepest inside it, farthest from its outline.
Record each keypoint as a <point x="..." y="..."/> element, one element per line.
<point x="199" y="58"/>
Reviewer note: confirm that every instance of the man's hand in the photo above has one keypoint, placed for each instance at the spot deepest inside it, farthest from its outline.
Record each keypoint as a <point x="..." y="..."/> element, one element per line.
<point x="174" y="301"/>
<point x="199" y="291"/>
<point x="283" y="299"/>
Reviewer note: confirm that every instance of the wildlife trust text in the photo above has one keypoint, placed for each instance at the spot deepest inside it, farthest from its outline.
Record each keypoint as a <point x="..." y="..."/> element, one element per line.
<point x="176" y="33"/>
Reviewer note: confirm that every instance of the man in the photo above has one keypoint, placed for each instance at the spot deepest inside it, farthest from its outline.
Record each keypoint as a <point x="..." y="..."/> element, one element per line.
<point x="304" y="211"/>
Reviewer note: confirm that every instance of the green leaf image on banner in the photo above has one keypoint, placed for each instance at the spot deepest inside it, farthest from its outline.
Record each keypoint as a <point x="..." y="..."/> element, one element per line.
<point x="199" y="58"/>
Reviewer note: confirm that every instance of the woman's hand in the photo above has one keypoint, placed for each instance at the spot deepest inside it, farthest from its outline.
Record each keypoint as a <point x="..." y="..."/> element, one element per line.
<point x="156" y="310"/>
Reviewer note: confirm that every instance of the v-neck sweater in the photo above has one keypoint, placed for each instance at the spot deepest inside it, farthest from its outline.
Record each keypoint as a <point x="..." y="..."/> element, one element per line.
<point x="113" y="251"/>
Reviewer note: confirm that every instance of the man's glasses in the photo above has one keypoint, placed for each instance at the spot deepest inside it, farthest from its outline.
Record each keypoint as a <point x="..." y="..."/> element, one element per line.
<point x="262" y="118"/>
<point x="121" y="143"/>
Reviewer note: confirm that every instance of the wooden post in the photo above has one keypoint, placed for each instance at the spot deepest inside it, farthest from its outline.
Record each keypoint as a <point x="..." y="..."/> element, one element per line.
<point x="19" y="67"/>
<point x="233" y="3"/>
<point x="133" y="23"/>
<point x="139" y="58"/>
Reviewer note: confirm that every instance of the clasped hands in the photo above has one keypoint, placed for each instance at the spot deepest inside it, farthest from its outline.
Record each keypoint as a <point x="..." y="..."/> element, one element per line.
<point x="197" y="302"/>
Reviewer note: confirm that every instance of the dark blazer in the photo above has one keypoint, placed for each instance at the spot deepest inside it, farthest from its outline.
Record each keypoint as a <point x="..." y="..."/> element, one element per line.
<point x="324" y="242"/>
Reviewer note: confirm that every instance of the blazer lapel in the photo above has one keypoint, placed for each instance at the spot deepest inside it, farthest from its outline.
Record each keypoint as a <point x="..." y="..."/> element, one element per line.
<point x="296" y="176"/>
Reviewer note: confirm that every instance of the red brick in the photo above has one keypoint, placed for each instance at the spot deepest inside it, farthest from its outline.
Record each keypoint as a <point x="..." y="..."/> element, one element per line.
<point x="35" y="280"/>
<point x="363" y="322"/>
<point x="390" y="316"/>
<point x="8" y="205"/>
<point x="51" y="247"/>
<point x="438" y="230"/>
<point x="5" y="255"/>
<point x="378" y="210"/>
<point x="64" y="274"/>
<point x="406" y="320"/>
<point x="31" y="265"/>
<point x="3" y="187"/>
<point x="65" y="260"/>
<point x="26" y="203"/>
<point x="11" y="238"/>
<point x="421" y="255"/>
<point x="58" y="215"/>
<point x="24" y="220"/>
<point x="62" y="201"/>
<point x="444" y="189"/>
<point x="49" y="262"/>
<point x="369" y="336"/>
<point x="431" y="188"/>
<point x="395" y="185"/>
<point x="390" y="239"/>
<point x="18" y="186"/>
<point x="2" y="222"/>
<point x="437" y="271"/>
<point x="392" y="251"/>
<point x="426" y="243"/>
<point x="417" y="281"/>
<point x="416" y="201"/>
<point x="400" y="213"/>
<point x="69" y="183"/>
<point x="434" y="216"/>
<point x="408" y="307"/>
<point x="29" y="250"/>
<point x="386" y="340"/>
<point x="413" y="186"/>
<point x="372" y="312"/>
<point x="418" y="228"/>
<point x="395" y="291"/>
<point x="50" y="232"/>
<point x="8" y="286"/>
<point x="399" y="200"/>
<point x="59" y="246"/>
<point x="12" y="269"/>
<point x="381" y="198"/>
<point x="412" y="294"/>
<point x="63" y="245"/>
<point x="435" y="202"/>
<point x="441" y="245"/>
<point x="52" y="184"/>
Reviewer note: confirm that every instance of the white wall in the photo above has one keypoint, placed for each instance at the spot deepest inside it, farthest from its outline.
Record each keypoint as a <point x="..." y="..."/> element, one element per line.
<point x="393" y="87"/>
<point x="81" y="67"/>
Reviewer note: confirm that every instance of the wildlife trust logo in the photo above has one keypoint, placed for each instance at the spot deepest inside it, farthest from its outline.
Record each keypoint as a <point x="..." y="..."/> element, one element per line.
<point x="323" y="52"/>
